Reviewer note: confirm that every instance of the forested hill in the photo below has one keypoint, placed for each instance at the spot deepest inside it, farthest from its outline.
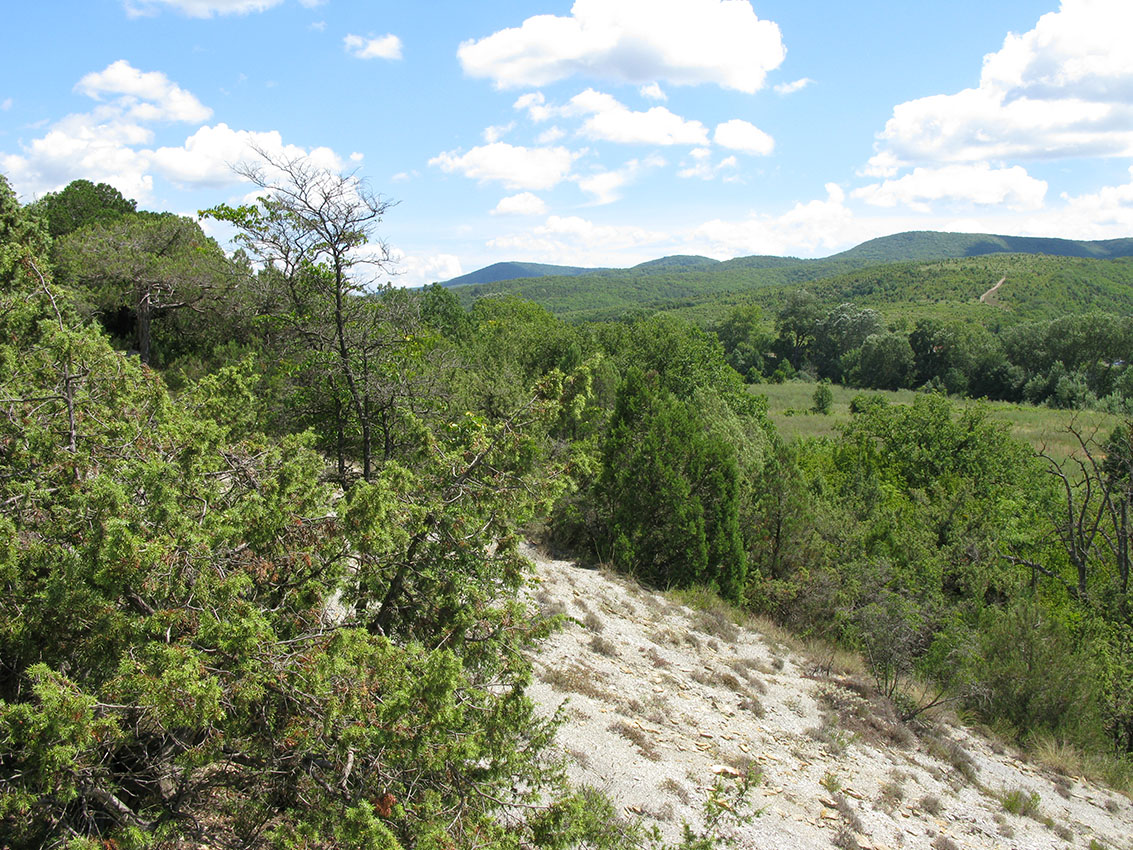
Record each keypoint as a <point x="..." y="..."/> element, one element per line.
<point x="932" y="245"/>
<point x="514" y="271"/>
<point x="1035" y="286"/>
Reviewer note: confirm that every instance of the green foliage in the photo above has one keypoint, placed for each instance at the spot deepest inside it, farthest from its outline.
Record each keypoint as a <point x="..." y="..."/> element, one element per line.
<point x="823" y="398"/>
<point x="208" y="644"/>
<point x="145" y="265"/>
<point x="671" y="487"/>
<point x="79" y="204"/>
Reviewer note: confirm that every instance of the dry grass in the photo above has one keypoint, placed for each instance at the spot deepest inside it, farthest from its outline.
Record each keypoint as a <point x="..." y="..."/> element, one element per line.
<point x="578" y="679"/>
<point x="637" y="737"/>
<point x="930" y="803"/>
<point x="677" y="790"/>
<point x="602" y="646"/>
<point x="890" y="796"/>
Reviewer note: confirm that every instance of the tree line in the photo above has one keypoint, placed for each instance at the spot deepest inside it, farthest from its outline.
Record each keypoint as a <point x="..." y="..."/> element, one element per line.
<point x="1080" y="360"/>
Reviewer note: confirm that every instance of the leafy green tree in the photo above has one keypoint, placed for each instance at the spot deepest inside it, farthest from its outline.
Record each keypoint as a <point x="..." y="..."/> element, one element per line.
<point x="79" y="204"/>
<point x="823" y="398"/>
<point x="746" y="340"/>
<point x="885" y="363"/>
<point x="148" y="264"/>
<point x="840" y="332"/>
<point x="672" y="490"/>
<point x="797" y="325"/>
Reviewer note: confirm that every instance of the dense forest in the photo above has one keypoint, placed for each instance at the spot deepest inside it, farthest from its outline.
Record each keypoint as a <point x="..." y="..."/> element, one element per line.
<point x="261" y="514"/>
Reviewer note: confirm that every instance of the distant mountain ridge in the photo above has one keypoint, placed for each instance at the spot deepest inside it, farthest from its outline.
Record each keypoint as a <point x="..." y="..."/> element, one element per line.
<point x="515" y="271"/>
<point x="934" y="245"/>
<point x="909" y="246"/>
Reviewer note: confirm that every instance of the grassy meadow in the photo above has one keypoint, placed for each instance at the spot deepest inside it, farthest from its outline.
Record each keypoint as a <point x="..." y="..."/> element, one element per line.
<point x="789" y="407"/>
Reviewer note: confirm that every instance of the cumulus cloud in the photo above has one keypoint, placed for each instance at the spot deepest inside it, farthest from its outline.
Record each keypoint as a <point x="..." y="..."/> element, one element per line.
<point x="792" y="87"/>
<point x="685" y="42"/>
<point x="605" y="118"/>
<point x="200" y="8"/>
<point x="653" y="92"/>
<point x="517" y="167"/>
<point x="97" y="146"/>
<point x="207" y="157"/>
<point x="535" y="104"/>
<point x="114" y="142"/>
<point x="1062" y="89"/>
<point x="699" y="164"/>
<point x="605" y="187"/>
<point x="497" y="132"/>
<point x="384" y="47"/>
<point x="979" y="184"/>
<point x="423" y="269"/>
<point x="807" y="229"/>
<point x="741" y="136"/>
<point x="611" y="121"/>
<point x="525" y="203"/>
<point x="574" y="240"/>
<point x="143" y="95"/>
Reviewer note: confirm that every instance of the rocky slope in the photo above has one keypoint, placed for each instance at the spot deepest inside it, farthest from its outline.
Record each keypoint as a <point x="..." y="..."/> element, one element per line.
<point x="660" y="700"/>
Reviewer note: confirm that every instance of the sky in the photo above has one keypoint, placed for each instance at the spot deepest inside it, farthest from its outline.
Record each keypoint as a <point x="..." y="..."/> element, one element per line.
<point x="598" y="132"/>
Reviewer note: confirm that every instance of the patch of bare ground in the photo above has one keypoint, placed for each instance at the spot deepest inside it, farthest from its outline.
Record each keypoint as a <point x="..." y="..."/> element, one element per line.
<point x="662" y="699"/>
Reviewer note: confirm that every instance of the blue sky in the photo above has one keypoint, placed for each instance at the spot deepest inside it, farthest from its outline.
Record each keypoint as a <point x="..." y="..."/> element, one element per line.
<point x="598" y="132"/>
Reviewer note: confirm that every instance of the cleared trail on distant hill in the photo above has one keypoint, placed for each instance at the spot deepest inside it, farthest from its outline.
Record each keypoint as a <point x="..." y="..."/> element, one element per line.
<point x="987" y="296"/>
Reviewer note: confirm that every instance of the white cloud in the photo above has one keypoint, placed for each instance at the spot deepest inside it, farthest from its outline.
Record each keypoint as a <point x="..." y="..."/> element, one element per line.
<point x="113" y="143"/>
<point x="143" y="95"/>
<point x="420" y="270"/>
<point x="525" y="203"/>
<point x="497" y="132"/>
<point x="535" y="105"/>
<point x="653" y="92"/>
<point x="811" y="229"/>
<point x="699" y="164"/>
<point x="207" y="157"/>
<point x="318" y="26"/>
<point x="977" y="184"/>
<point x="384" y="47"/>
<point x="573" y="240"/>
<point x="357" y="156"/>
<point x="741" y="136"/>
<point x="550" y="136"/>
<point x="87" y="147"/>
<point x="611" y="121"/>
<point x="792" y="87"/>
<point x="1105" y="214"/>
<point x="515" y="166"/>
<point x="199" y="8"/>
<point x="605" y="186"/>
<point x="685" y="42"/>
<point x="6" y="105"/>
<point x="1063" y="89"/>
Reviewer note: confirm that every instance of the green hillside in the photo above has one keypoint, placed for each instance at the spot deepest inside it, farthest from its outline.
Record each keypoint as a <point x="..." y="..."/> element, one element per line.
<point x="512" y="271"/>
<point x="915" y="271"/>
<point x="932" y="245"/>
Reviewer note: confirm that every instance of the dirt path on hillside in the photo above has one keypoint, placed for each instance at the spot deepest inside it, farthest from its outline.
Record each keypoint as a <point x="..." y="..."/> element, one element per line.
<point x="661" y="699"/>
<point x="987" y="297"/>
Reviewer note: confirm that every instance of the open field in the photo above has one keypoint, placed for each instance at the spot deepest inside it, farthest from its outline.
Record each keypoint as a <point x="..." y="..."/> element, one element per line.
<point x="789" y="406"/>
